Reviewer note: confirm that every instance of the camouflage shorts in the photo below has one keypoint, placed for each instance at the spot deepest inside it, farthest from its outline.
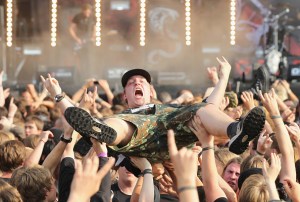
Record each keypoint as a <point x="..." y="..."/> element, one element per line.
<point x="152" y="122"/>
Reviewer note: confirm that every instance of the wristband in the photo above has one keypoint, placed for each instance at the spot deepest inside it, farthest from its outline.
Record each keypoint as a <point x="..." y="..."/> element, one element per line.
<point x="184" y="188"/>
<point x="63" y="139"/>
<point x="102" y="154"/>
<point x="59" y="97"/>
<point x="205" y="149"/>
<point x="147" y="171"/>
<point x="275" y="117"/>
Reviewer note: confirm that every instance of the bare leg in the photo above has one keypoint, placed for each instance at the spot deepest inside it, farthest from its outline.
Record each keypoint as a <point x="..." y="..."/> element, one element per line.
<point x="215" y="121"/>
<point x="124" y="130"/>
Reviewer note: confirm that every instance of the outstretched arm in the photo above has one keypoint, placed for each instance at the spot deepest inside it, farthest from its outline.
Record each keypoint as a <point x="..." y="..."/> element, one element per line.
<point x="147" y="190"/>
<point x="209" y="168"/>
<point x="282" y="136"/>
<point x="294" y="132"/>
<point x="53" y="87"/>
<point x="218" y="93"/>
<point x="270" y="175"/>
<point x="87" y="178"/>
<point x="185" y="165"/>
<point x="105" y="86"/>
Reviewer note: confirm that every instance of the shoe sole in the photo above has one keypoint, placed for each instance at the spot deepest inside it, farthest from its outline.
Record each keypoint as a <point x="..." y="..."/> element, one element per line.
<point x="88" y="127"/>
<point x="263" y="74"/>
<point x="252" y="124"/>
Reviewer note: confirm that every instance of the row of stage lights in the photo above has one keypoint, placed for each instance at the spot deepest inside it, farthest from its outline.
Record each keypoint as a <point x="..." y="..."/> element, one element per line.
<point x="9" y="22"/>
<point x="232" y="21"/>
<point x="53" y="22"/>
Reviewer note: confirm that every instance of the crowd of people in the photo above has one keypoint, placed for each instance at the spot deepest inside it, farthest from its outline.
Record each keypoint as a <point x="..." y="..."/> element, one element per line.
<point x="143" y="145"/>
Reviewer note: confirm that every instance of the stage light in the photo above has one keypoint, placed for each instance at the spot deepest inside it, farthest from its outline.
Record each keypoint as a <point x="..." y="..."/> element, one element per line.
<point x="142" y="22"/>
<point x="232" y="21"/>
<point x="9" y="25"/>
<point x="53" y="23"/>
<point x="98" y="22"/>
<point x="188" y="22"/>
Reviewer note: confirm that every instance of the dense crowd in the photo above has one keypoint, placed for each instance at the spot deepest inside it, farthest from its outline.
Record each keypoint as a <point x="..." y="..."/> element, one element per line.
<point x="141" y="145"/>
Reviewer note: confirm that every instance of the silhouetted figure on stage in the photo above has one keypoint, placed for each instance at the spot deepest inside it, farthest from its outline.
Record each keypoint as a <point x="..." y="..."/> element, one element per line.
<point x="83" y="32"/>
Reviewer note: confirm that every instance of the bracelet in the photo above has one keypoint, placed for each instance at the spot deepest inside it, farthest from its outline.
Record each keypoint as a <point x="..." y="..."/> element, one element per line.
<point x="184" y="188"/>
<point x="205" y="149"/>
<point x="147" y="171"/>
<point x="102" y="154"/>
<point x="275" y="117"/>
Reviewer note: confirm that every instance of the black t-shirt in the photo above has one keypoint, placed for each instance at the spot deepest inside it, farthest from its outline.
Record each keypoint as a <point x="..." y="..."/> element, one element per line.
<point x="85" y="25"/>
<point x="168" y="198"/>
<point x="66" y="172"/>
<point x="119" y="196"/>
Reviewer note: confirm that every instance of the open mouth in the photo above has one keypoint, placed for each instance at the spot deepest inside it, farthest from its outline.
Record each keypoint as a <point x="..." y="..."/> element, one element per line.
<point x="138" y="93"/>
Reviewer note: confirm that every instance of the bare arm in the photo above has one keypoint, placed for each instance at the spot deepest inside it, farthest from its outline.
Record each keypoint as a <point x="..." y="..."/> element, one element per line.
<point x="53" y="87"/>
<point x="230" y="194"/>
<point x="89" y="176"/>
<point x="270" y="175"/>
<point x="79" y="93"/>
<point x="294" y="132"/>
<point x="290" y="93"/>
<point x="282" y="136"/>
<point x="209" y="169"/>
<point x="137" y="190"/>
<point x="105" y="86"/>
<point x="147" y="190"/>
<point x="218" y="93"/>
<point x="185" y="164"/>
<point x="53" y="159"/>
<point x="36" y="154"/>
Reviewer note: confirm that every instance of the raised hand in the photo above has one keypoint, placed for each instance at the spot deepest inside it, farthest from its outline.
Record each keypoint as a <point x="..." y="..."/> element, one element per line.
<point x="213" y="74"/>
<point x="99" y="147"/>
<point x="285" y="84"/>
<point x="184" y="161"/>
<point x="141" y="163"/>
<point x="88" y="99"/>
<point x="52" y="85"/>
<point x="248" y="100"/>
<point x="269" y="102"/>
<point x="294" y="132"/>
<point x="224" y="68"/>
<point x="292" y="188"/>
<point x="264" y="142"/>
<point x="198" y="129"/>
<point x="12" y="109"/>
<point x="103" y="84"/>
<point x="271" y="173"/>
<point x="167" y="185"/>
<point x="87" y="178"/>
<point x="45" y="135"/>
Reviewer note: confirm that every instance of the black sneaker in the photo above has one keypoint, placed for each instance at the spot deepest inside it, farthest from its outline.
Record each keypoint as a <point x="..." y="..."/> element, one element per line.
<point x="247" y="129"/>
<point x="262" y="81"/>
<point x="87" y="126"/>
